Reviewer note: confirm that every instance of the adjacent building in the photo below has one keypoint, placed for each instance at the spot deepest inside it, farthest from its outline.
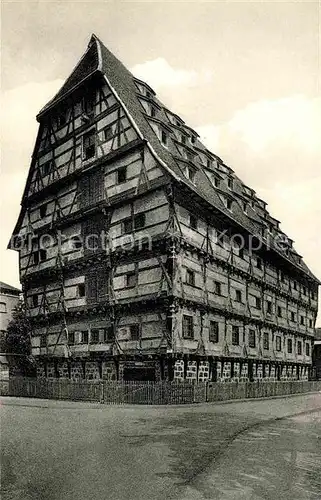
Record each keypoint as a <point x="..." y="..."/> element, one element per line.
<point x="9" y="298"/>
<point x="143" y="255"/>
<point x="316" y="355"/>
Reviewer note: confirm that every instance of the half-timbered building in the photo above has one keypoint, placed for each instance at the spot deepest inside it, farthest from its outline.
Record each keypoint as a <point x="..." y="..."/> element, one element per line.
<point x="143" y="255"/>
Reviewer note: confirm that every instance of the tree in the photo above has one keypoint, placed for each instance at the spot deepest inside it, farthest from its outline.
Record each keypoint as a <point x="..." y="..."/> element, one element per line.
<point x="17" y="341"/>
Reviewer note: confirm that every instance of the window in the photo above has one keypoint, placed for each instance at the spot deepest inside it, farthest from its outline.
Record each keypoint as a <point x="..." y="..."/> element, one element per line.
<point x="307" y="349"/>
<point x="61" y="119"/>
<point x="164" y="138"/>
<point x="258" y="302"/>
<point x="217" y="288"/>
<point x="81" y="292"/>
<point x="89" y="102"/>
<point x="304" y="291"/>
<point x="84" y="337"/>
<point x="279" y="311"/>
<point x="230" y="183"/>
<point x="190" y="174"/>
<point x="301" y="320"/>
<point x="42" y="254"/>
<point x="134" y="332"/>
<point x="266" y="341"/>
<point x="292" y="316"/>
<point x="238" y="295"/>
<point x="278" y="343"/>
<point x="229" y="204"/>
<point x="89" y="148"/>
<point x="245" y="207"/>
<point x="183" y="139"/>
<point x="127" y="226"/>
<point x="252" y="339"/>
<point x="208" y="163"/>
<point x="109" y="334"/>
<point x="108" y="133"/>
<point x="43" y="340"/>
<point x="94" y="337"/>
<point x="281" y="276"/>
<point x="35" y="258"/>
<point x="235" y="335"/>
<point x="121" y="175"/>
<point x="43" y="210"/>
<point x="45" y="169"/>
<point x="299" y="348"/>
<point x="71" y="338"/>
<point x="192" y="221"/>
<point x="289" y="346"/>
<point x="190" y="277"/>
<point x="188" y="327"/>
<point x="131" y="280"/>
<point x="152" y="111"/>
<point x="76" y="243"/>
<point x="139" y="221"/>
<point x="295" y="286"/>
<point x="35" y="300"/>
<point x="216" y="182"/>
<point x="310" y="323"/>
<point x="3" y="307"/>
<point x="193" y="139"/>
<point x="259" y="263"/>
<point x="214" y="332"/>
<point x="269" y="307"/>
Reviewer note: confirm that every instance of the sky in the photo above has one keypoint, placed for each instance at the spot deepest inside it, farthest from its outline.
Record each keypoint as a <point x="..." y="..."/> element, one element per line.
<point x="245" y="75"/>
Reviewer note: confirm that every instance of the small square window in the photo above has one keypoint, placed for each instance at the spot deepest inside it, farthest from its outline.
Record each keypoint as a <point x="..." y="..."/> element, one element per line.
<point x="192" y="221"/>
<point x="81" y="291"/>
<point x="238" y="295"/>
<point x="299" y="348"/>
<point x="266" y="341"/>
<point x="190" y="277"/>
<point x="289" y="346"/>
<point x="278" y="343"/>
<point x="217" y="288"/>
<point x="134" y="332"/>
<point x="121" y="175"/>
<point x="139" y="221"/>
<point x="252" y="339"/>
<point x="43" y="210"/>
<point x="235" y="335"/>
<point x="188" y="327"/>
<point x="94" y="337"/>
<point x="45" y="169"/>
<point x="131" y="280"/>
<point x="108" y="133"/>
<point x="214" y="332"/>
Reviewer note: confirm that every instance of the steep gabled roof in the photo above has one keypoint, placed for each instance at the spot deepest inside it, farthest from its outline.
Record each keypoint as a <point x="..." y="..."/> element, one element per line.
<point x="5" y="288"/>
<point x="98" y="59"/>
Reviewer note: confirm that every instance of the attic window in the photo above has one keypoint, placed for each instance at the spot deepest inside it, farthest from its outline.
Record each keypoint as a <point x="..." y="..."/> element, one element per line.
<point x="61" y="119"/>
<point x="190" y="174"/>
<point x="164" y="138"/>
<point x="230" y="183"/>
<point x="245" y="207"/>
<point x="216" y="182"/>
<point x="208" y="163"/>
<point x="193" y="139"/>
<point x="229" y="204"/>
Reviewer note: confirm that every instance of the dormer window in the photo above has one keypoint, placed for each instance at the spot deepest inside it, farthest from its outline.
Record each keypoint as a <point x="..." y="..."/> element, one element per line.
<point x="190" y="173"/>
<point x="230" y="183"/>
<point x="216" y="182"/>
<point x="229" y="204"/>
<point x="164" y="138"/>
<point x="152" y="111"/>
<point x="208" y="163"/>
<point x="193" y="139"/>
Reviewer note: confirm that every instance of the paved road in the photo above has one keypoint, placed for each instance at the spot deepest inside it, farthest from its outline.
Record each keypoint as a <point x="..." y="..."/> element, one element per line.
<point x="66" y="451"/>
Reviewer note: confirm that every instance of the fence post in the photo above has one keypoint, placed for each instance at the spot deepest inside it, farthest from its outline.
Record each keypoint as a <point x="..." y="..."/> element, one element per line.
<point x="101" y="398"/>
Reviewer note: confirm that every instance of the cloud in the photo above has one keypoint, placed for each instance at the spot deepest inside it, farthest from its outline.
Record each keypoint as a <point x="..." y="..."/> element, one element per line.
<point x="159" y="73"/>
